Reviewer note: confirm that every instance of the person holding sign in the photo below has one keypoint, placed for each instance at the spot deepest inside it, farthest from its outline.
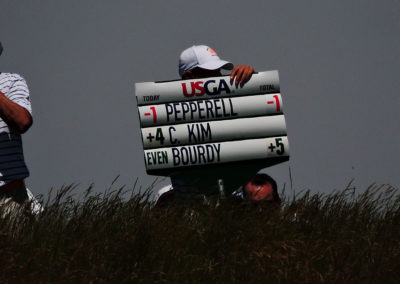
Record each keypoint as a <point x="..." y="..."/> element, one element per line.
<point x="198" y="62"/>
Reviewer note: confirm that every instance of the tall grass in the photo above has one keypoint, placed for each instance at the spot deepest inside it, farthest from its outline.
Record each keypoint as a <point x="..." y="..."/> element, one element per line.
<point x="337" y="237"/>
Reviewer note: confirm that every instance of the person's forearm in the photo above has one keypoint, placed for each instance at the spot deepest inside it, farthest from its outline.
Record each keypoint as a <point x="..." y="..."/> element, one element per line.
<point x="14" y="115"/>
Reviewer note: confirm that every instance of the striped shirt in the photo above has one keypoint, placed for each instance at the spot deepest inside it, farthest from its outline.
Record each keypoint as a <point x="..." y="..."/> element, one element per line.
<point x="12" y="164"/>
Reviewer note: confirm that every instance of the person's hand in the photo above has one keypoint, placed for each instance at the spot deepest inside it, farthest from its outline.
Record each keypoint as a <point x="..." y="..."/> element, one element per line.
<point x="241" y="74"/>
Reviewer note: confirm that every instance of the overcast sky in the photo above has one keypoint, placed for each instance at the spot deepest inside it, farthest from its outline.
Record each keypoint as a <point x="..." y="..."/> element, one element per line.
<point x="338" y="63"/>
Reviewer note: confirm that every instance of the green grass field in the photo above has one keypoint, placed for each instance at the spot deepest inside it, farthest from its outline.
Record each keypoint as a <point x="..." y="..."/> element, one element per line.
<point x="342" y="237"/>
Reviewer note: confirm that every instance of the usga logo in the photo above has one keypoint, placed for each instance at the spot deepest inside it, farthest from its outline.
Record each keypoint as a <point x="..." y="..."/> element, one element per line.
<point x="209" y="87"/>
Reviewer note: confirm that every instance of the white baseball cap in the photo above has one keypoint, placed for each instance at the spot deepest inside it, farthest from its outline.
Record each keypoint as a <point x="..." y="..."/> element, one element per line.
<point x="163" y="190"/>
<point x="201" y="56"/>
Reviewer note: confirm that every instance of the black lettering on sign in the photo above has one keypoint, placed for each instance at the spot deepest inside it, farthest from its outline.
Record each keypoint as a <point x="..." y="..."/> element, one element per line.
<point x="175" y="156"/>
<point x="206" y="132"/>
<point x="279" y="147"/>
<point x="184" y="156"/>
<point x="193" y="108"/>
<point x="151" y="98"/>
<point x="199" y="132"/>
<point x="203" y="109"/>
<point x="217" y="107"/>
<point x="279" y="144"/>
<point x="200" y="109"/>
<point x="196" y="155"/>
<point x="209" y="108"/>
<point x="185" y="109"/>
<point x="200" y="152"/>
<point x="265" y="88"/>
<point x="160" y="136"/>
<point x="191" y="134"/>
<point x="176" y="112"/>
<point x="174" y="141"/>
<point x="169" y="109"/>
<point x="233" y="113"/>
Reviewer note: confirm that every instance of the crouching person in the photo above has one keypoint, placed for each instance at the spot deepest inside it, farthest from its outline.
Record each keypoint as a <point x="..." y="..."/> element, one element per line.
<point x="261" y="193"/>
<point x="260" y="189"/>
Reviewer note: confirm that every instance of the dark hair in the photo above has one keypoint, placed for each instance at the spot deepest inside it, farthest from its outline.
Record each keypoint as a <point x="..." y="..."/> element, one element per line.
<point x="261" y="179"/>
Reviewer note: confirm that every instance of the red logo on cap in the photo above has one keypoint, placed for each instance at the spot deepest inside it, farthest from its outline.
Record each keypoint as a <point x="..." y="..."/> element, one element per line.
<point x="212" y="51"/>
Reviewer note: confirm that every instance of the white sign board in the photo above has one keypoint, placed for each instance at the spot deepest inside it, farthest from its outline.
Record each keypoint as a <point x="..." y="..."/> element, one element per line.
<point x="214" y="87"/>
<point x="210" y="109"/>
<point x="204" y="122"/>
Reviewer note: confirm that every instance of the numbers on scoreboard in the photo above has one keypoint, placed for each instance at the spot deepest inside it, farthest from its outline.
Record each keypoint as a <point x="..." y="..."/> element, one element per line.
<point x="153" y="113"/>
<point x="158" y="137"/>
<point x="279" y="147"/>
<point x="277" y="103"/>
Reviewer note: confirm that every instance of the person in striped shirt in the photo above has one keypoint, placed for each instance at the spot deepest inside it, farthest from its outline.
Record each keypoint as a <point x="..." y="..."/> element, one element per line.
<point x="15" y="119"/>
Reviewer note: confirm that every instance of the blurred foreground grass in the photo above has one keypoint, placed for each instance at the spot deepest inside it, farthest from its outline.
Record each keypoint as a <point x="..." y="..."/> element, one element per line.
<point x="339" y="237"/>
